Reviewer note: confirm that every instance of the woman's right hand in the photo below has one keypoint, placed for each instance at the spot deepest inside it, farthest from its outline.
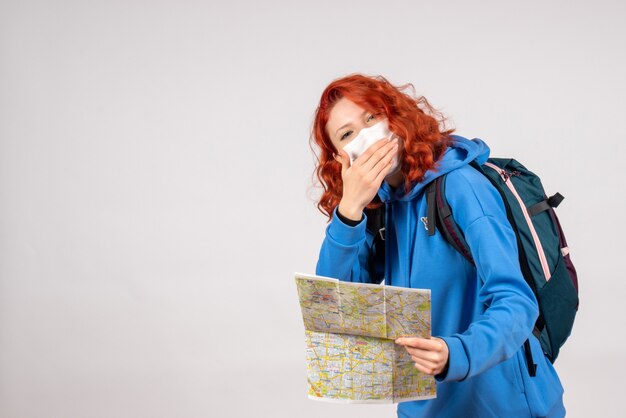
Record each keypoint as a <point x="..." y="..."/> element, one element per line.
<point x="362" y="178"/>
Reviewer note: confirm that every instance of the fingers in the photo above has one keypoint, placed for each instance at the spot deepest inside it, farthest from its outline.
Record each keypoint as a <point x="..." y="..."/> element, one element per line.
<point x="375" y="147"/>
<point x="376" y="152"/>
<point x="384" y="171"/>
<point x="362" y="182"/>
<point x="373" y="171"/>
<point x="434" y="357"/>
<point x="427" y="367"/>
<point x="430" y="355"/>
<point x="382" y="167"/>
<point x="421" y="343"/>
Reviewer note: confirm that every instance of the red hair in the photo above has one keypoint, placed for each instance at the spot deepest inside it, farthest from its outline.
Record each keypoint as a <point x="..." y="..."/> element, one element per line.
<point x="412" y="118"/>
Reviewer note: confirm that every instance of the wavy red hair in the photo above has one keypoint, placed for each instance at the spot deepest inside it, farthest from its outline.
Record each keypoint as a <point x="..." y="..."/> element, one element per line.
<point x="412" y="118"/>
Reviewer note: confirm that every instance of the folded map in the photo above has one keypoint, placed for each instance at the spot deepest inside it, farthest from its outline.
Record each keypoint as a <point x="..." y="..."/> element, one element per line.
<point x="350" y="330"/>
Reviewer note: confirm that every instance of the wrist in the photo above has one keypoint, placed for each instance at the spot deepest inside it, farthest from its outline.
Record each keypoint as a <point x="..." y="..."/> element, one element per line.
<point x="354" y="213"/>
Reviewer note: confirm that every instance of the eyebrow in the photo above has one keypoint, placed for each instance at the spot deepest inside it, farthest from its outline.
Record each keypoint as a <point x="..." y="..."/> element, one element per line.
<point x="365" y="112"/>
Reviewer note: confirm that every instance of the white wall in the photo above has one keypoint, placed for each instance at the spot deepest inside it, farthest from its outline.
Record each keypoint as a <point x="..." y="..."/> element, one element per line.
<point x="154" y="167"/>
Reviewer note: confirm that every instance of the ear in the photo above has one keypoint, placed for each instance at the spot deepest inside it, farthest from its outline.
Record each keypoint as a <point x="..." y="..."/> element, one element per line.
<point x="344" y="159"/>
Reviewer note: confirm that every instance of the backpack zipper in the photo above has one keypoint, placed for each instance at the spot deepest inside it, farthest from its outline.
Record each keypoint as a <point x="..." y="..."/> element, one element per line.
<point x="506" y="175"/>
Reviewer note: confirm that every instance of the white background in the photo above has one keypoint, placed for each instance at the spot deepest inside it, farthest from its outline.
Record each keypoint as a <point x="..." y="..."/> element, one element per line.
<point x="155" y="185"/>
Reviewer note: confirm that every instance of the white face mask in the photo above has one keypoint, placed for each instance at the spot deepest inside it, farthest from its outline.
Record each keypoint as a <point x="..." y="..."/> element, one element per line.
<point x="366" y="138"/>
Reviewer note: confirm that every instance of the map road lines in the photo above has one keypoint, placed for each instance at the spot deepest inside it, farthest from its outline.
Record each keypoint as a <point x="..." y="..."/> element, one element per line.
<point x="350" y="330"/>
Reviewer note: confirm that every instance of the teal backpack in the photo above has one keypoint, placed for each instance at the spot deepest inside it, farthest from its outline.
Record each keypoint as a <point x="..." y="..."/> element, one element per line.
<point x="543" y="251"/>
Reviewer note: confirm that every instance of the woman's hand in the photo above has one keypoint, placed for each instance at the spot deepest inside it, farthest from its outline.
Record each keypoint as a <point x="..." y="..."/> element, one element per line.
<point x="363" y="178"/>
<point x="429" y="354"/>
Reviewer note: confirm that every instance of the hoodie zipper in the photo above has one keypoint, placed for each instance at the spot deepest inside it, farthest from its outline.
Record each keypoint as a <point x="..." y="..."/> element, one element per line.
<point x="506" y="175"/>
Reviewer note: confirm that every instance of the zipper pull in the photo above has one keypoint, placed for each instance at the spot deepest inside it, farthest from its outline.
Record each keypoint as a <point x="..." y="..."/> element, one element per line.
<point x="506" y="175"/>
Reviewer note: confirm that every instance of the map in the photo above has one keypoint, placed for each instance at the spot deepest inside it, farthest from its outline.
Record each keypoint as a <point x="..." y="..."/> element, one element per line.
<point x="350" y="330"/>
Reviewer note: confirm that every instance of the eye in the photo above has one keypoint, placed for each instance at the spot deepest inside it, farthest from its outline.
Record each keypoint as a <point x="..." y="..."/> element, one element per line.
<point x="345" y="135"/>
<point x="370" y="117"/>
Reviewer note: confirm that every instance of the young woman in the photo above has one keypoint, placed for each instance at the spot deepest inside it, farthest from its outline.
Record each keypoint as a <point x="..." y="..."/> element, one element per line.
<point x="378" y="145"/>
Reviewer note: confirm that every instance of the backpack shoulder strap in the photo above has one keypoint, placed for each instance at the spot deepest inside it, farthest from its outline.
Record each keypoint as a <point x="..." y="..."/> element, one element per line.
<point x="440" y="215"/>
<point x="376" y="226"/>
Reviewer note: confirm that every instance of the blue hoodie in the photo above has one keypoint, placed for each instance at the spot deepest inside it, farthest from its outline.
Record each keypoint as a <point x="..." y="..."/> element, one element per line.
<point x="484" y="313"/>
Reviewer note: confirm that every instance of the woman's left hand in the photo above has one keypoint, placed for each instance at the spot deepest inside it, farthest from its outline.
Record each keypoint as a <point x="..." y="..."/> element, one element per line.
<point x="429" y="354"/>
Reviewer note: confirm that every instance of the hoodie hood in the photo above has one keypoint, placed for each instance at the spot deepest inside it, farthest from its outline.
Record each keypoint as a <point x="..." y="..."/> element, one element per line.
<point x="460" y="152"/>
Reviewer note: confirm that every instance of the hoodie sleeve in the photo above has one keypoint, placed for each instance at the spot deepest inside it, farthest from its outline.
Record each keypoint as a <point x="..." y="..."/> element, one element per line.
<point x="510" y="306"/>
<point x="345" y="251"/>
